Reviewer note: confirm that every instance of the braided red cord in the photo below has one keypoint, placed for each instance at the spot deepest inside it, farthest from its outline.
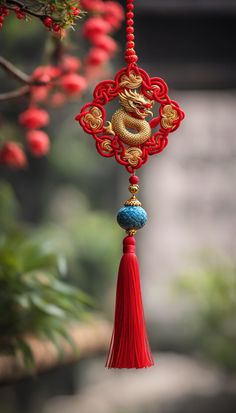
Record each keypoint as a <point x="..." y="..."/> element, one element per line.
<point x="130" y="54"/>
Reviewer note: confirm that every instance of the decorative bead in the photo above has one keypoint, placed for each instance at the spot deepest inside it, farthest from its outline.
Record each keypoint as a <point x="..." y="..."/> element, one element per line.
<point x="130" y="22"/>
<point x="129" y="29"/>
<point x="134" y="179"/>
<point x="129" y="15"/>
<point x="131" y="217"/>
<point x="131" y="232"/>
<point x="133" y="189"/>
<point x="130" y="37"/>
<point x="130" y="6"/>
<point x="130" y="45"/>
<point x="130" y="52"/>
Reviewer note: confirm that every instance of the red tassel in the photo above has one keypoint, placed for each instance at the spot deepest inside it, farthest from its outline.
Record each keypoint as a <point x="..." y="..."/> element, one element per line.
<point x="129" y="347"/>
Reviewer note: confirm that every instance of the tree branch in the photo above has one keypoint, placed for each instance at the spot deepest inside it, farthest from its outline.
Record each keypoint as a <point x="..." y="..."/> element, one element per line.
<point x="19" y="75"/>
<point x="22" y="91"/>
<point x="24" y="8"/>
<point x="14" y="71"/>
<point x="26" y="79"/>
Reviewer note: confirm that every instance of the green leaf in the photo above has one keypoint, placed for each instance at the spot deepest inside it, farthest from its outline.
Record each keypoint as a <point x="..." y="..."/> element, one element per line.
<point x="55" y="339"/>
<point x="27" y="354"/>
<point x="47" y="308"/>
<point x="70" y="341"/>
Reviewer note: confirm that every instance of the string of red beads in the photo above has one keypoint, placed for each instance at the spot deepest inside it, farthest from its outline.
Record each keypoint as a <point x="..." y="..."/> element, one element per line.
<point x="130" y="54"/>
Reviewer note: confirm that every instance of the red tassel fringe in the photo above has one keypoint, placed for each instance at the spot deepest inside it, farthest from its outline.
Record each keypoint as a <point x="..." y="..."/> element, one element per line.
<point x="129" y="347"/>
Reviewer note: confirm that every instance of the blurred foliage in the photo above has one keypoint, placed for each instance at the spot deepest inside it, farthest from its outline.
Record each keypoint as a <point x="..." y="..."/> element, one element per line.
<point x="213" y="291"/>
<point x="33" y="264"/>
<point x="51" y="233"/>
<point x="75" y="162"/>
<point x="34" y="298"/>
<point x="89" y="238"/>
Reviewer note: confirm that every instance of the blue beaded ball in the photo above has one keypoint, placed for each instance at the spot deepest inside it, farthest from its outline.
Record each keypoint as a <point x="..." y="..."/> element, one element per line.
<point x="131" y="217"/>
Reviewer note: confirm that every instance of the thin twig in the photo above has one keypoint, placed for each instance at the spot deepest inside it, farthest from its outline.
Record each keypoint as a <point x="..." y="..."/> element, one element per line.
<point x="22" y="91"/>
<point x="19" y="75"/>
<point x="58" y="51"/>
<point x="14" y="71"/>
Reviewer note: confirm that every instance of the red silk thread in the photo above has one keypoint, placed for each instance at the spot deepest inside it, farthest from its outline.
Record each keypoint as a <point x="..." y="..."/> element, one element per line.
<point x="129" y="347"/>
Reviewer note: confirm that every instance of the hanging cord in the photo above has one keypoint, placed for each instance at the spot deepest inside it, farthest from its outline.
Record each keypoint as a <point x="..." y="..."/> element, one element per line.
<point x="130" y="54"/>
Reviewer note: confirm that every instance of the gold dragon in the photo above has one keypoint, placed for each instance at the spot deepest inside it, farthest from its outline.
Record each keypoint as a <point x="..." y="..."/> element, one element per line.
<point x="128" y="122"/>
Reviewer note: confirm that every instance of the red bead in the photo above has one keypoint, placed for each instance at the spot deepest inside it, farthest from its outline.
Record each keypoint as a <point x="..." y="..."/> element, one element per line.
<point x="129" y="52"/>
<point x="129" y="15"/>
<point x="134" y="179"/>
<point x="130" y="45"/>
<point x="130" y="37"/>
<point x="130" y="6"/>
<point x="129" y="29"/>
<point x="130" y="22"/>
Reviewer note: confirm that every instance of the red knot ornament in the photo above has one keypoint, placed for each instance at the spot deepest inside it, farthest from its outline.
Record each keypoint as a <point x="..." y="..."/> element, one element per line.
<point x="141" y="124"/>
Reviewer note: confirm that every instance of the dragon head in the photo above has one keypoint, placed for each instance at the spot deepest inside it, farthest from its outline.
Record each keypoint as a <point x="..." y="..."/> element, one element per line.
<point x="135" y="103"/>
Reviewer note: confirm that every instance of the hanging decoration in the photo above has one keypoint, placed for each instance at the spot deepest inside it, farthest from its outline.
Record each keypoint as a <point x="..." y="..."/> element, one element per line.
<point x="130" y="136"/>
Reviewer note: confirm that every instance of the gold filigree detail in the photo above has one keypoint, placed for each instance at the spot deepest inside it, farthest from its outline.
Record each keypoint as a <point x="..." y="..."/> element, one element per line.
<point x="131" y="232"/>
<point x="131" y="81"/>
<point x="133" y="156"/>
<point x="132" y="201"/>
<point x="108" y="129"/>
<point x="169" y="115"/>
<point x="106" y="145"/>
<point x="150" y="92"/>
<point x="94" y="118"/>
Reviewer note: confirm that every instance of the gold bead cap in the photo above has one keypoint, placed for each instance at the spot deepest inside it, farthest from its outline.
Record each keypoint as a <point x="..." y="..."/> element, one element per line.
<point x="133" y="201"/>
